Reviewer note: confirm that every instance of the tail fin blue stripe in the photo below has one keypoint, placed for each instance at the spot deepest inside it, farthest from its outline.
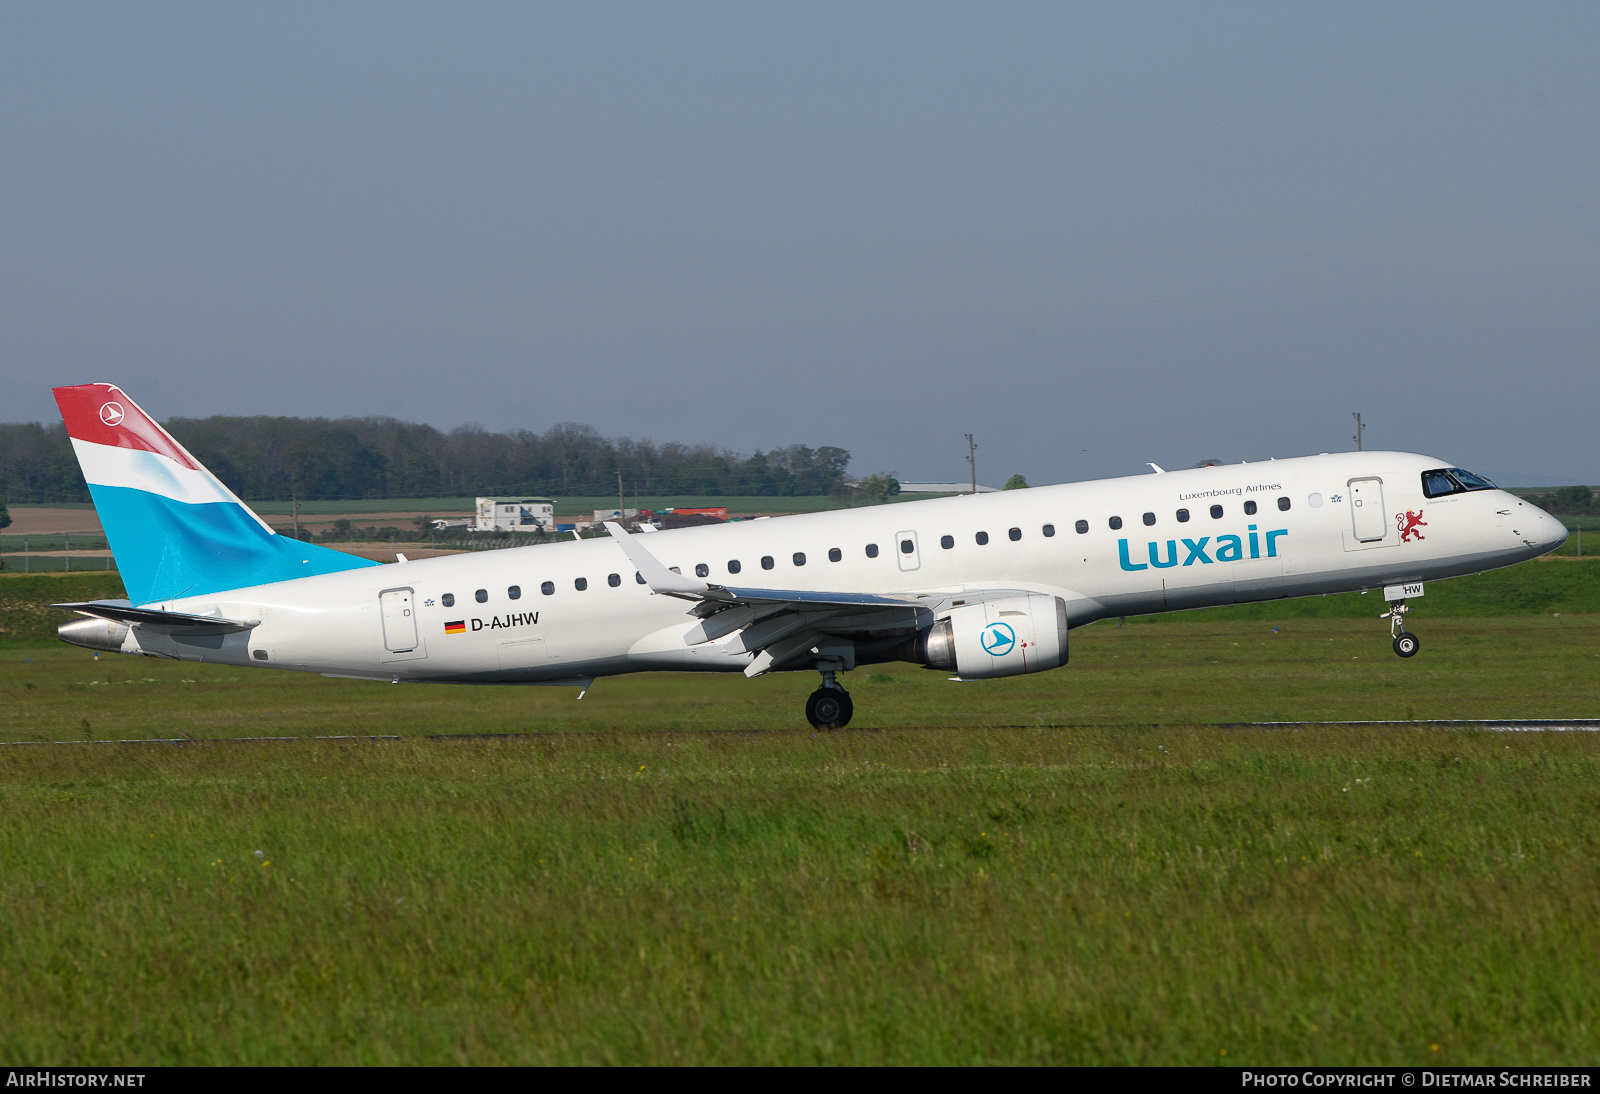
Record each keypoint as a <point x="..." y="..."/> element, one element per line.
<point x="168" y="549"/>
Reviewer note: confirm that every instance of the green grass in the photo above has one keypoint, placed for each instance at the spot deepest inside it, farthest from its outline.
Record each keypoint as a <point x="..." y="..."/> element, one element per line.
<point x="1172" y="896"/>
<point x="1062" y="868"/>
<point x="1167" y="672"/>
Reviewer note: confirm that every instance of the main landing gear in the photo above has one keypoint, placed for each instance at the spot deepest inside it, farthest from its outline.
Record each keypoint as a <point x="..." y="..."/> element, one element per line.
<point x="829" y="707"/>
<point x="1406" y="644"/>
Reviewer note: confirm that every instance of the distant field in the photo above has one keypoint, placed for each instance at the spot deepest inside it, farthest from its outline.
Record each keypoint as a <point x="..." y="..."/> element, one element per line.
<point x="565" y="506"/>
<point x="39" y="564"/>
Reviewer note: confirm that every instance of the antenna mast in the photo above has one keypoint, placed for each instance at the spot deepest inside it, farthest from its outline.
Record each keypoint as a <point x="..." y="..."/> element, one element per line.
<point x="1359" y="427"/>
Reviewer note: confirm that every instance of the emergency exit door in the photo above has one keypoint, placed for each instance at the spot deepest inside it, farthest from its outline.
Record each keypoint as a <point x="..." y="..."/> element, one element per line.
<point x="905" y="549"/>
<point x="399" y="620"/>
<point x="1368" y="519"/>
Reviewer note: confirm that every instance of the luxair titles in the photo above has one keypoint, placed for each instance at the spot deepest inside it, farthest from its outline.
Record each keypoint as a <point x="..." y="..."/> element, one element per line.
<point x="1228" y="548"/>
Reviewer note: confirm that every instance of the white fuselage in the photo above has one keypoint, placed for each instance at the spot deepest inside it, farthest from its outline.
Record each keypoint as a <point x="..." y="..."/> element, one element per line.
<point x="581" y="613"/>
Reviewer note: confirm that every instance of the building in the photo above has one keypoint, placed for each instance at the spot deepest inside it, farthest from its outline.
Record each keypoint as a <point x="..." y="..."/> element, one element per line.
<point x="515" y="515"/>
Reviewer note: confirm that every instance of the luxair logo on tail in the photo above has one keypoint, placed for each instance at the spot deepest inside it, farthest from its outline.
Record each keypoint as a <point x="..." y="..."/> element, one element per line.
<point x="175" y="530"/>
<point x="1225" y="549"/>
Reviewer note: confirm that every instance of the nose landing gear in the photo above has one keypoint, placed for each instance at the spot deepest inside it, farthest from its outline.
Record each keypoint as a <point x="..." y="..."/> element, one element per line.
<point x="1406" y="644"/>
<point x="829" y="707"/>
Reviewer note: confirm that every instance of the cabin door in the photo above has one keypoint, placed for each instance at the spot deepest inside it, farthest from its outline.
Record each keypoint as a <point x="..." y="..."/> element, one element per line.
<point x="1368" y="520"/>
<point x="399" y="620"/>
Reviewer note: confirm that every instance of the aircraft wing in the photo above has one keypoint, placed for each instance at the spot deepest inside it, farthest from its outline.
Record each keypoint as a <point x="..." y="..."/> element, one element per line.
<point x="780" y="625"/>
<point x="713" y="597"/>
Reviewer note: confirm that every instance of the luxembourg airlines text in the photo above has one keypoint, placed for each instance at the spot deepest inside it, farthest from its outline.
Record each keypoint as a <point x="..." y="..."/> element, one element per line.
<point x="1227" y="548"/>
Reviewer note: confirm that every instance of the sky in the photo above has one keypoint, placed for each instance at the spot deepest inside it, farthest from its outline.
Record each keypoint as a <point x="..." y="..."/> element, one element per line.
<point x="1092" y="235"/>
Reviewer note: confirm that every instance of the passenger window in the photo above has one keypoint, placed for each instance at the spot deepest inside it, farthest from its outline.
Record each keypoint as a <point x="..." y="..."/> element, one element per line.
<point x="637" y="576"/>
<point x="834" y="554"/>
<point x="906" y="547"/>
<point x="799" y="558"/>
<point x="514" y="593"/>
<point x="1048" y="530"/>
<point x="548" y="588"/>
<point x="982" y="538"/>
<point x="872" y="550"/>
<point x="1015" y="534"/>
<point x="702" y="570"/>
<point x="766" y="562"/>
<point x="1183" y="516"/>
<point x="481" y="596"/>
<point x="448" y="600"/>
<point x="1116" y="522"/>
<point x="1216" y="512"/>
<point x="614" y="580"/>
<point x="733" y="566"/>
<point x="947" y="542"/>
<point x="1081" y="527"/>
<point x="580" y="584"/>
<point x="1283" y="503"/>
<point x="1249" y="508"/>
<point x="1149" y="518"/>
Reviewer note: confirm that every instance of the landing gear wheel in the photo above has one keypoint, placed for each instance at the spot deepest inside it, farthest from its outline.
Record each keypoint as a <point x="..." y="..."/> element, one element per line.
<point x="829" y="708"/>
<point x="1406" y="644"/>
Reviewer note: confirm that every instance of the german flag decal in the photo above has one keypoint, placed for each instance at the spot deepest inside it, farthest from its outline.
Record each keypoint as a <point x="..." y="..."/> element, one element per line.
<point x="458" y="627"/>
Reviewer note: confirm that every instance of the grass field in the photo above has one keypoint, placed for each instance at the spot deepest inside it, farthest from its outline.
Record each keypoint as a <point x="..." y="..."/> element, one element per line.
<point x="1064" y="868"/>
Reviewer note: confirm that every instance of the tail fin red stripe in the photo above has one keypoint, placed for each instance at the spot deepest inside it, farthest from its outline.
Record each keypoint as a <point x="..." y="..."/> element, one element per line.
<point x="102" y="414"/>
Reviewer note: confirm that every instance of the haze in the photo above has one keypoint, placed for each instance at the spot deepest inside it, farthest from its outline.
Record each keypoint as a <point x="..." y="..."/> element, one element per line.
<point x="1092" y="235"/>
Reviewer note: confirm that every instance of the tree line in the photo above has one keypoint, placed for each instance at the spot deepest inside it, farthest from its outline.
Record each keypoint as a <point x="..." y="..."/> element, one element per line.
<point x="1568" y="501"/>
<point x="274" y="459"/>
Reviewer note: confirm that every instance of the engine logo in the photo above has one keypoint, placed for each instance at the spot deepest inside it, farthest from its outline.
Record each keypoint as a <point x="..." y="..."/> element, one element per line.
<point x="998" y="639"/>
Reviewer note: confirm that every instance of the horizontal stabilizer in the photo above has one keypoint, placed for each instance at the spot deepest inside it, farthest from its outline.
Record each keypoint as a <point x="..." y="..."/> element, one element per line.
<point x="123" y="611"/>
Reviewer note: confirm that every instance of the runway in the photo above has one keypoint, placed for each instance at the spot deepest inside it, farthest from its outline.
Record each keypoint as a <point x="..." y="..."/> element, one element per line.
<point x="1489" y="725"/>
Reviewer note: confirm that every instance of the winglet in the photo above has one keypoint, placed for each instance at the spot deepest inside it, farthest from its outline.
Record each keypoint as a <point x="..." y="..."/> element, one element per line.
<point x="658" y="577"/>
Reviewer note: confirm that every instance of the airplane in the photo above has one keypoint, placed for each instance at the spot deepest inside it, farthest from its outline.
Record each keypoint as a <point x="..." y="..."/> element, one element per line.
<point x="978" y="586"/>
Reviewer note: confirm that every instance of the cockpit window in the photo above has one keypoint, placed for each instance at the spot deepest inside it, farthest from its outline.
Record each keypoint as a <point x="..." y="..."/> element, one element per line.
<point x="1436" y="484"/>
<point x="1452" y="480"/>
<point x="1470" y="481"/>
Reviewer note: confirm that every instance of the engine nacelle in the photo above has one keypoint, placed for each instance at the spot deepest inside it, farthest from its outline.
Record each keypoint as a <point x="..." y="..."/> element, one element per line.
<point x="1000" y="638"/>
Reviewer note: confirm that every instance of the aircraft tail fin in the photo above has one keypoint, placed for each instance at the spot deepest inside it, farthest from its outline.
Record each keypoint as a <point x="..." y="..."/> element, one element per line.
<point x="174" y="529"/>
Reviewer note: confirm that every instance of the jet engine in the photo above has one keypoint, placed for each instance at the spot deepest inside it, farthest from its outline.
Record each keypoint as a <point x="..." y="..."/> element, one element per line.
<point x="1009" y="637"/>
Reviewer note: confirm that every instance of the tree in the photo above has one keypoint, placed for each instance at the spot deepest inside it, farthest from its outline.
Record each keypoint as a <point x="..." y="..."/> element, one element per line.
<point x="1016" y="482"/>
<point x="5" y="517"/>
<point x="1567" y="501"/>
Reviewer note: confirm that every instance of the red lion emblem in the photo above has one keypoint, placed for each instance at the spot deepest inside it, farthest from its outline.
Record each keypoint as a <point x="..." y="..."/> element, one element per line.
<point x="1408" y="522"/>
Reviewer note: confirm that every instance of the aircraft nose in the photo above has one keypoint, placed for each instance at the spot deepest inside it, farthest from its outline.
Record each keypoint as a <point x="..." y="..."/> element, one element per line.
<point x="1554" y="533"/>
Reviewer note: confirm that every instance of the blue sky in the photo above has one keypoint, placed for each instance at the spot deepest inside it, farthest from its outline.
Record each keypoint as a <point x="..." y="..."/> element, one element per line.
<point x="1092" y="235"/>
